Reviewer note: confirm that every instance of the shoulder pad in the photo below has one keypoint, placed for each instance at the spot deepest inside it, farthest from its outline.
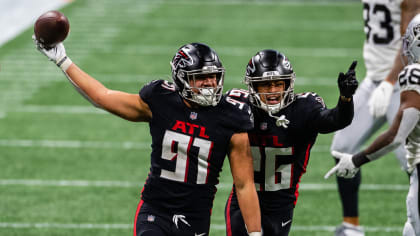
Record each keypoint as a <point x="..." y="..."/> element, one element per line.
<point x="155" y="88"/>
<point x="238" y="93"/>
<point x="305" y="95"/>
<point x="311" y="96"/>
<point x="409" y="78"/>
<point x="237" y="97"/>
<point x="237" y="108"/>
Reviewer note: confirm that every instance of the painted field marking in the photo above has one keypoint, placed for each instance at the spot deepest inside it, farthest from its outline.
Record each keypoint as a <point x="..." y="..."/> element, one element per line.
<point x="129" y="184"/>
<point x="216" y="227"/>
<point x="97" y="144"/>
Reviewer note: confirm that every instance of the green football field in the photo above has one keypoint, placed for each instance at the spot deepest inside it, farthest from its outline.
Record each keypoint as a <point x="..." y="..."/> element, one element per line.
<point x="67" y="168"/>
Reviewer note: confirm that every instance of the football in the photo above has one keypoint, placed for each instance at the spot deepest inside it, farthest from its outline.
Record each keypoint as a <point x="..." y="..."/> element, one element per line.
<point x="51" y="28"/>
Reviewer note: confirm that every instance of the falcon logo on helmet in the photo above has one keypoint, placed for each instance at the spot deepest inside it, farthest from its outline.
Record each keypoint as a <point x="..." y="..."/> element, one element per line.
<point x="286" y="63"/>
<point x="251" y="67"/>
<point x="182" y="59"/>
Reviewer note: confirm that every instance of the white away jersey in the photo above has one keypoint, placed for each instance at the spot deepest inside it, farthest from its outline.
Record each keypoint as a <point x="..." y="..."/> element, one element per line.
<point x="413" y="146"/>
<point x="382" y="30"/>
<point x="409" y="79"/>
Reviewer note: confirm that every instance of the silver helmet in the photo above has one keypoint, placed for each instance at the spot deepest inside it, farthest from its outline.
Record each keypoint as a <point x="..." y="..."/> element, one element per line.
<point x="411" y="40"/>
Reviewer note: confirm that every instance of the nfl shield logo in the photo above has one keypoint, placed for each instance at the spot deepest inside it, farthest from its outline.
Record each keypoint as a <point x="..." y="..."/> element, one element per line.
<point x="193" y="115"/>
<point x="263" y="126"/>
<point x="151" y="218"/>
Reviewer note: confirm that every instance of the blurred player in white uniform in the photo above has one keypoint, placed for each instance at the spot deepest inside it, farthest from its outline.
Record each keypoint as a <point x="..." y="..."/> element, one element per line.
<point x="405" y="130"/>
<point x="385" y="22"/>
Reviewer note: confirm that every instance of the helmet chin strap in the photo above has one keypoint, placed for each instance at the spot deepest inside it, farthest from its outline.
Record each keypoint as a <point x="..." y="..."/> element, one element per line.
<point x="280" y="121"/>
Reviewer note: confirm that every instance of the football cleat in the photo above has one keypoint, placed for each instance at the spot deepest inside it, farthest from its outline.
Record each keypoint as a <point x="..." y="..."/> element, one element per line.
<point x="346" y="229"/>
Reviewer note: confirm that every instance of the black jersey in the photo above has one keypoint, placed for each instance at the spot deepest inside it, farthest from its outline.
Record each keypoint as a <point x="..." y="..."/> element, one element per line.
<point x="281" y="154"/>
<point x="188" y="147"/>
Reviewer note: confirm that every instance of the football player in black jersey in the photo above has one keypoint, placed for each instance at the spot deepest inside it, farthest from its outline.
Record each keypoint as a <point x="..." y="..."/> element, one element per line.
<point x="285" y="128"/>
<point x="193" y="128"/>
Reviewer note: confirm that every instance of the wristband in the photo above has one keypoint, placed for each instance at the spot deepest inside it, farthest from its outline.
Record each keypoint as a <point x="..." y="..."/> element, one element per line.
<point x="345" y="99"/>
<point x="359" y="159"/>
<point x="255" y="234"/>
<point x="64" y="63"/>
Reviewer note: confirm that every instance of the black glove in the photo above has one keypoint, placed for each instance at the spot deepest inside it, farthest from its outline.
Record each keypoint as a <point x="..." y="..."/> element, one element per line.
<point x="347" y="83"/>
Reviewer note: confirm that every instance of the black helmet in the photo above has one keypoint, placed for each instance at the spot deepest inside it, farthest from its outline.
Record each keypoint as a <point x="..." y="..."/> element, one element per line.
<point x="193" y="60"/>
<point x="270" y="65"/>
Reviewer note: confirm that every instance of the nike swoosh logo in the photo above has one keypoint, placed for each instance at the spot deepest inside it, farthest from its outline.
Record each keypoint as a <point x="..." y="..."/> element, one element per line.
<point x="199" y="234"/>
<point x="285" y="223"/>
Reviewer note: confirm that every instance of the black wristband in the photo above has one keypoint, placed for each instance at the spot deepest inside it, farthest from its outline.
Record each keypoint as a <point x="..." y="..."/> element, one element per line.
<point x="359" y="159"/>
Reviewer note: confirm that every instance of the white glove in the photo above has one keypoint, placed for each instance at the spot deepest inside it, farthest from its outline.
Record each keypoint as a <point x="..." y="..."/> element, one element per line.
<point x="344" y="168"/>
<point x="56" y="54"/>
<point x="380" y="99"/>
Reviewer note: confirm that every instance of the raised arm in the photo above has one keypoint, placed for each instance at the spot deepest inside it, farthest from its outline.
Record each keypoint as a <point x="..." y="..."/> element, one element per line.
<point x="243" y="176"/>
<point x="330" y="120"/>
<point x="125" y="105"/>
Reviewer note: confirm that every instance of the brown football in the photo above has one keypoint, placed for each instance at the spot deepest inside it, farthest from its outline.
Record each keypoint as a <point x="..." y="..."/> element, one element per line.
<point x="51" y="28"/>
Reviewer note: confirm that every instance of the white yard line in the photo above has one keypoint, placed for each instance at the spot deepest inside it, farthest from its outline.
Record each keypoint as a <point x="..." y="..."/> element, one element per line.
<point x="79" y="49"/>
<point x="216" y="227"/>
<point x="74" y="144"/>
<point x="141" y="78"/>
<point x="225" y="186"/>
<point x="335" y="3"/>
<point x="32" y="143"/>
<point x="58" y="109"/>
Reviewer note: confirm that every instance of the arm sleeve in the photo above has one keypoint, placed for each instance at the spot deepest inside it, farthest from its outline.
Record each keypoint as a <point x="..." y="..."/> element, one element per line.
<point x="330" y="120"/>
<point x="409" y="120"/>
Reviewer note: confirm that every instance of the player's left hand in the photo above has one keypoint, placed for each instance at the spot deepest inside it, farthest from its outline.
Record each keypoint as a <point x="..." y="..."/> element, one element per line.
<point x="347" y="83"/>
<point x="345" y="167"/>
<point x="380" y="99"/>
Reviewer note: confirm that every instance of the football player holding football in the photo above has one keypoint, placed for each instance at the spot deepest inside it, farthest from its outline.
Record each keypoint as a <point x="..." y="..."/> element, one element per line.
<point x="193" y="128"/>
<point x="385" y="22"/>
<point x="286" y="127"/>
<point x="405" y="130"/>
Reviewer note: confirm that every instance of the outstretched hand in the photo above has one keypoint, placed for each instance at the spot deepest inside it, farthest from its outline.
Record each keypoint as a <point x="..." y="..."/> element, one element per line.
<point x="56" y="54"/>
<point x="345" y="167"/>
<point x="347" y="83"/>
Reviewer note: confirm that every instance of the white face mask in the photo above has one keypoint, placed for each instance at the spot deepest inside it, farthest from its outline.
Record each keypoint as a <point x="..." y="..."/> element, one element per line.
<point x="206" y="97"/>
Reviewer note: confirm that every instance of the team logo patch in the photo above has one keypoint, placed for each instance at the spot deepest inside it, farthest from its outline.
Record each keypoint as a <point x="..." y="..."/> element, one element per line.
<point x="151" y="218"/>
<point x="263" y="126"/>
<point x="416" y="30"/>
<point x="193" y="115"/>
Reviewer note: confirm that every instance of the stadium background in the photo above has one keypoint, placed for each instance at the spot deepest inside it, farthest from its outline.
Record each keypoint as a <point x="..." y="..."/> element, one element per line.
<point x="67" y="168"/>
